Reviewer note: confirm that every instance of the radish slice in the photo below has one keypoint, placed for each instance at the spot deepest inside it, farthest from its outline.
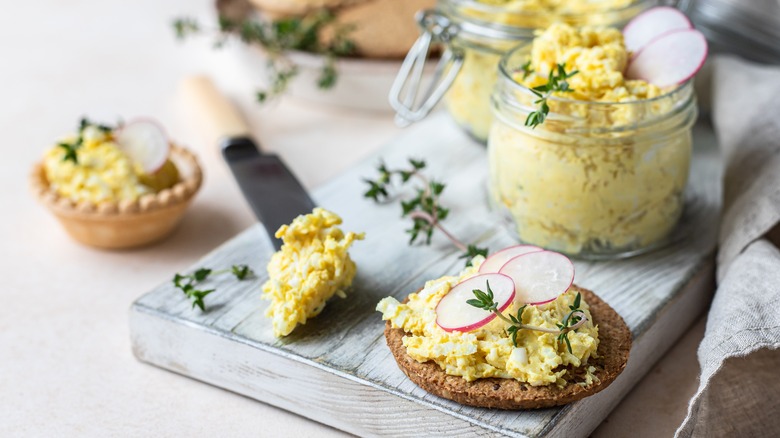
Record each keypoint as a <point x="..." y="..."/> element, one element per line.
<point x="539" y="277"/>
<point x="651" y="24"/>
<point x="453" y="313"/>
<point x="670" y="59"/>
<point x="145" y="142"/>
<point x="495" y="262"/>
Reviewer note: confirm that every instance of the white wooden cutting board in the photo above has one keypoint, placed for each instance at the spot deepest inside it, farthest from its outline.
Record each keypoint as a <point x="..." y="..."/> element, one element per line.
<point x="337" y="369"/>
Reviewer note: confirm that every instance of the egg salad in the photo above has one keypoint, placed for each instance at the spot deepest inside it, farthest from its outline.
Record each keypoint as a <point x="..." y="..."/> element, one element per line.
<point x="599" y="56"/>
<point x="312" y="266"/>
<point x="539" y="359"/>
<point x="91" y="167"/>
<point x="606" y="172"/>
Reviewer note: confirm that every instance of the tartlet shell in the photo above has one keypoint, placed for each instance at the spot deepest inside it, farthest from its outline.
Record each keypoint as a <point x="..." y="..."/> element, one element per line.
<point x="125" y="224"/>
<point x="613" y="350"/>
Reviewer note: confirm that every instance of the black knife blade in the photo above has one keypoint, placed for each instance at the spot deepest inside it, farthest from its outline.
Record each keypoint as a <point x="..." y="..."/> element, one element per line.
<point x="273" y="192"/>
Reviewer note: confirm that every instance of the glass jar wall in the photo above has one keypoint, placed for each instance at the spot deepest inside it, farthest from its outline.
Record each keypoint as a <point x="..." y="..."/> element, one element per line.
<point x="596" y="179"/>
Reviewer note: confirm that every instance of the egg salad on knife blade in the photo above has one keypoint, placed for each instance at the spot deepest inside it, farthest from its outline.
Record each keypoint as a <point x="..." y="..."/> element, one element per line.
<point x="312" y="266"/>
<point x="511" y="331"/>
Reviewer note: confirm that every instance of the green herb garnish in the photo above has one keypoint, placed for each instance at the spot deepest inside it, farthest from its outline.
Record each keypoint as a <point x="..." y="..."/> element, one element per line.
<point x="278" y="36"/>
<point x="526" y="69"/>
<point x="556" y="83"/>
<point x="571" y="322"/>
<point x="72" y="147"/>
<point x="187" y="283"/>
<point x="424" y="209"/>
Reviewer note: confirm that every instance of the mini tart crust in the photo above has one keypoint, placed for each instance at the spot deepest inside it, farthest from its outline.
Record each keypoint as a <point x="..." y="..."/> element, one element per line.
<point x="613" y="350"/>
<point x="123" y="224"/>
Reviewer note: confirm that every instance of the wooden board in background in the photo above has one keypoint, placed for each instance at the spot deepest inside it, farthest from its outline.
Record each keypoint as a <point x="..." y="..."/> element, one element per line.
<point x="337" y="369"/>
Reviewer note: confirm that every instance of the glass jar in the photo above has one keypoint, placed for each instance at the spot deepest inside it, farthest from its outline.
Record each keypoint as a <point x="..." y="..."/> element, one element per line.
<point x="475" y="35"/>
<point x="596" y="179"/>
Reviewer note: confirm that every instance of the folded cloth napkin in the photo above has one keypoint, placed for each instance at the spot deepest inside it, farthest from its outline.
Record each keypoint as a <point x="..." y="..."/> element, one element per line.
<point x="739" y="388"/>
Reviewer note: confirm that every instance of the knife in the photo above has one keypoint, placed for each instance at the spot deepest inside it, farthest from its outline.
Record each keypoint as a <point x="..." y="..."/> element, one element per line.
<point x="274" y="194"/>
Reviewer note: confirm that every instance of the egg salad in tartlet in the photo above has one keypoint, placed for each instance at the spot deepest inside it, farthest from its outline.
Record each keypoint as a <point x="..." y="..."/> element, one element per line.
<point x="117" y="187"/>
<point x="523" y="351"/>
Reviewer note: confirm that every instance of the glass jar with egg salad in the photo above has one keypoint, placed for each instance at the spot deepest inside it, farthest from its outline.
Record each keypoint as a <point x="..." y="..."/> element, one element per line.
<point x="475" y="34"/>
<point x="604" y="175"/>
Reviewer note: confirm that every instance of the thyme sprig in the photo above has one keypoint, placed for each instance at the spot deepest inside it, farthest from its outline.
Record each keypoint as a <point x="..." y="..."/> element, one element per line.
<point x="424" y="209"/>
<point x="187" y="283"/>
<point x="571" y="322"/>
<point x="556" y="83"/>
<point x="278" y="36"/>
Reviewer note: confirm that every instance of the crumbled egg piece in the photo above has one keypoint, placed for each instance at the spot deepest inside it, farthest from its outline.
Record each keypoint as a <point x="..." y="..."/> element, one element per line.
<point x="539" y="359"/>
<point x="312" y="266"/>
<point x="103" y="172"/>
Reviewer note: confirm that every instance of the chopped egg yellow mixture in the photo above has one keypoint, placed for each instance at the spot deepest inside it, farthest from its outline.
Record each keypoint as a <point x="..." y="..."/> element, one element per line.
<point x="539" y="359"/>
<point x="312" y="266"/>
<point x="597" y="54"/>
<point x="103" y="172"/>
<point x="618" y="189"/>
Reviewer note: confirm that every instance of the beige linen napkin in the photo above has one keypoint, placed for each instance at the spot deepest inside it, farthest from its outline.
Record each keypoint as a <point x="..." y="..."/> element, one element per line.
<point x="739" y="388"/>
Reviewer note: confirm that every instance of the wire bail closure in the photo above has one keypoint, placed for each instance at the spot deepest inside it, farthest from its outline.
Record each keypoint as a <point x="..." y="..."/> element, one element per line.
<point x="436" y="28"/>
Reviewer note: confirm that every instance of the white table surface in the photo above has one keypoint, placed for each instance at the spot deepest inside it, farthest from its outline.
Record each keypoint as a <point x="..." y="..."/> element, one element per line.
<point x="65" y="362"/>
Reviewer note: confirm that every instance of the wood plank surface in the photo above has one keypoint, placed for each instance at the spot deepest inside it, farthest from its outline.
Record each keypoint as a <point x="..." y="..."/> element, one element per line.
<point x="337" y="369"/>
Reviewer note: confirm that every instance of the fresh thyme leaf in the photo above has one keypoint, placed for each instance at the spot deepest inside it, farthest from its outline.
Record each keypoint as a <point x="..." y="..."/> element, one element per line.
<point x="526" y="68"/>
<point x="417" y="164"/>
<point x="187" y="283"/>
<point x="70" y="152"/>
<point x="201" y="274"/>
<point x="328" y="75"/>
<point x="489" y="291"/>
<point x="556" y="83"/>
<point x="241" y="271"/>
<point x="185" y="27"/>
<point x="473" y="251"/>
<point x="520" y="313"/>
<point x="474" y="303"/>
<point x="568" y="344"/>
<point x="276" y="37"/>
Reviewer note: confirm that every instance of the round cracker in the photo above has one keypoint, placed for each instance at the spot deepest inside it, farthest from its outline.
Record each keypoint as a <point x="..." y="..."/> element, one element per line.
<point x="613" y="350"/>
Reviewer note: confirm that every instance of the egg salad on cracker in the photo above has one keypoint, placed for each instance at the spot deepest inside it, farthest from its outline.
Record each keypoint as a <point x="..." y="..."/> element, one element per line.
<point x="538" y="358"/>
<point x="312" y="266"/>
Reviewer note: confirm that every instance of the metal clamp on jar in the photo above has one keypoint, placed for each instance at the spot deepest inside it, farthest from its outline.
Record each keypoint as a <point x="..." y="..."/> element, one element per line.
<point x="475" y="35"/>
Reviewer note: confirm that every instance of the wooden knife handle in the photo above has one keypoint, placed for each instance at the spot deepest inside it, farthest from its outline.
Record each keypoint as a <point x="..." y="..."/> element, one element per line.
<point x="214" y="112"/>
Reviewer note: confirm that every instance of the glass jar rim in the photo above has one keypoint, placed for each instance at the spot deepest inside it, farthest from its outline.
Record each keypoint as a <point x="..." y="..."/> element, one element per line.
<point x="496" y="9"/>
<point x="484" y="22"/>
<point x="506" y="75"/>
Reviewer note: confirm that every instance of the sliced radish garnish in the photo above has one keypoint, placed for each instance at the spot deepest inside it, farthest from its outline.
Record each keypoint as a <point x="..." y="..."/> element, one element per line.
<point x="539" y="277"/>
<point x="670" y="59"/>
<point x="145" y="142"/>
<point x="653" y="23"/>
<point x="495" y="262"/>
<point x="454" y="313"/>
